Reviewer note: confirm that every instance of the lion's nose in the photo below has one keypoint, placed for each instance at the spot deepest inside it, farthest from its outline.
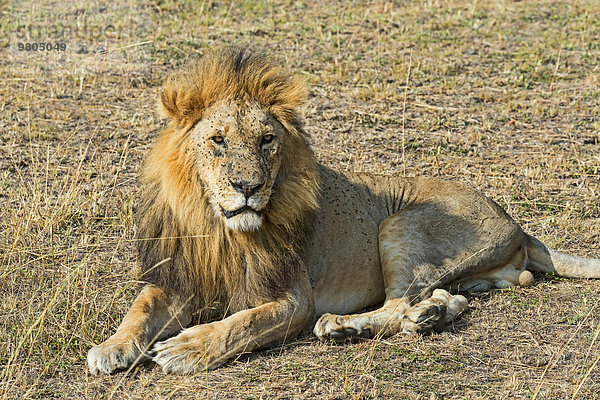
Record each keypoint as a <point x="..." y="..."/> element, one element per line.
<point x="245" y="187"/>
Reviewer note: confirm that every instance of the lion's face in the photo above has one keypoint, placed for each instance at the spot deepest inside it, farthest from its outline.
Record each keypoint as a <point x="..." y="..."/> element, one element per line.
<point x="239" y="155"/>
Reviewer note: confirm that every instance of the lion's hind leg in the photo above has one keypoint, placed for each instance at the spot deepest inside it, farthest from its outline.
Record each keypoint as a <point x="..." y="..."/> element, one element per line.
<point x="395" y="316"/>
<point x="365" y="325"/>
<point x="445" y="234"/>
<point x="510" y="275"/>
<point x="501" y="278"/>
<point x="434" y="313"/>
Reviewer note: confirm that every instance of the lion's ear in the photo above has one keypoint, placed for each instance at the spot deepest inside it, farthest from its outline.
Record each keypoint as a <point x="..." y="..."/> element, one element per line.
<point x="172" y="104"/>
<point x="168" y="100"/>
<point x="176" y="105"/>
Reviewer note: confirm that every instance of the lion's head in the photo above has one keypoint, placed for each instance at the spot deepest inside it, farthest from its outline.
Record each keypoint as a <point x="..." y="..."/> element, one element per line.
<point x="231" y="180"/>
<point x="239" y="147"/>
<point x="236" y="115"/>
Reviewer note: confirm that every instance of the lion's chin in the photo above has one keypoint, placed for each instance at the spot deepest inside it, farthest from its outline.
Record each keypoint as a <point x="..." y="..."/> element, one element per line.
<point x="245" y="221"/>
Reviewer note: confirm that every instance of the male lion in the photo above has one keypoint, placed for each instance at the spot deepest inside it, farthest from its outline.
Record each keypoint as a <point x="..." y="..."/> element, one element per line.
<point x="237" y="214"/>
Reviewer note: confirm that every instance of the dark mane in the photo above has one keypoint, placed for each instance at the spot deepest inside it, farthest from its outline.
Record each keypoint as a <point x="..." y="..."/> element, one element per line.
<point x="183" y="245"/>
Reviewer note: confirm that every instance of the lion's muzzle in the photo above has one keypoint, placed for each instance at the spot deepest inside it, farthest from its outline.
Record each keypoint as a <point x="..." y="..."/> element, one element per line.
<point x="246" y="188"/>
<point x="231" y="214"/>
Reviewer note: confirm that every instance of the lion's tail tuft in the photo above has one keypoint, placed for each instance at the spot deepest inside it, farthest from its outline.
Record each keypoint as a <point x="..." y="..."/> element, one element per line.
<point x="545" y="259"/>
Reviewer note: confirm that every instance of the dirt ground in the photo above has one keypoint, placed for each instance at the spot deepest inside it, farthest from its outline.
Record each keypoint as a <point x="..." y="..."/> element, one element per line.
<point x="501" y="95"/>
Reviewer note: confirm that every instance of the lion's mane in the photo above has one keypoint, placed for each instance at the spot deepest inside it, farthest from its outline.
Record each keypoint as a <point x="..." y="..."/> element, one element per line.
<point x="183" y="245"/>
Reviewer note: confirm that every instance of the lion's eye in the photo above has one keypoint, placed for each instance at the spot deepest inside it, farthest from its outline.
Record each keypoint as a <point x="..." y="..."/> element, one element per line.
<point x="267" y="139"/>
<point x="218" y="139"/>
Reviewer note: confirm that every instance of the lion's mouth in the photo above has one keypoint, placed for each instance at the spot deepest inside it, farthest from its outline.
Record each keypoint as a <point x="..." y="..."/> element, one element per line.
<point x="231" y="214"/>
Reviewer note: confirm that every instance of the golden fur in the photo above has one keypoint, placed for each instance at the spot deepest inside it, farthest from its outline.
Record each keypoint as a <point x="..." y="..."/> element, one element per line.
<point x="204" y="257"/>
<point x="236" y="211"/>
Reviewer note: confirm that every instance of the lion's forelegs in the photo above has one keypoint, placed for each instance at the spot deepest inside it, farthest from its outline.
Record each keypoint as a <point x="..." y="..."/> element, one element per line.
<point x="153" y="315"/>
<point x="207" y="346"/>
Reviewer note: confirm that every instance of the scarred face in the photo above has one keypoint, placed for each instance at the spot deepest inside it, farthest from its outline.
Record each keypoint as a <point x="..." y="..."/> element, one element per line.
<point x="239" y="146"/>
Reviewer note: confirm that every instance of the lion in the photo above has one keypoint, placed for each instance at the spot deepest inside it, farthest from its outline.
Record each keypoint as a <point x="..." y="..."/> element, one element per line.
<point x="245" y="239"/>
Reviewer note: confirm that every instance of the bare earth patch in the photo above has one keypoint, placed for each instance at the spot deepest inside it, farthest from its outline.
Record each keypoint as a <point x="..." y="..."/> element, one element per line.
<point x="502" y="95"/>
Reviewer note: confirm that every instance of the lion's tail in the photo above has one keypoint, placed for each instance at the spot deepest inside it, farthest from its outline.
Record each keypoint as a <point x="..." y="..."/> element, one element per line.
<point x="543" y="258"/>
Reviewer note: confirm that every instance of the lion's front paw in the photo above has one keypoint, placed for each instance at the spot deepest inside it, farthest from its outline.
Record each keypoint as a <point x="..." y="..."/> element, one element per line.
<point x="339" y="328"/>
<point x="191" y="351"/>
<point x="112" y="355"/>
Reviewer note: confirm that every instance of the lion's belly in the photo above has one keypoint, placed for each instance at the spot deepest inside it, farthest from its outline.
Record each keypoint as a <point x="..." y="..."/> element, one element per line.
<point x="343" y="251"/>
<point x="346" y="285"/>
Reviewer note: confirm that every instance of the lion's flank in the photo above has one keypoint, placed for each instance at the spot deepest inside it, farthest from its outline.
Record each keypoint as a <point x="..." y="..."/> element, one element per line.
<point x="183" y="245"/>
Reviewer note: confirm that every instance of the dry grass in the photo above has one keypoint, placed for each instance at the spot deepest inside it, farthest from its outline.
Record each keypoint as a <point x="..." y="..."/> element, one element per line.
<point x="502" y="95"/>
